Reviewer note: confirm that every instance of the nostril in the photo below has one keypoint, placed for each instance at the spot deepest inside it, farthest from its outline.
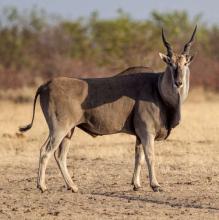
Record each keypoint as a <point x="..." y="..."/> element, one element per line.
<point x="178" y="83"/>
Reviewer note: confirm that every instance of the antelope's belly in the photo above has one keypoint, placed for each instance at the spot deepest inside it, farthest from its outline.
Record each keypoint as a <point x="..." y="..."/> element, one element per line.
<point x="109" y="118"/>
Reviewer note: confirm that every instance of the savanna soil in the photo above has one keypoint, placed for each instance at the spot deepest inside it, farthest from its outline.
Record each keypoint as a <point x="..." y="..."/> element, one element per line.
<point x="187" y="166"/>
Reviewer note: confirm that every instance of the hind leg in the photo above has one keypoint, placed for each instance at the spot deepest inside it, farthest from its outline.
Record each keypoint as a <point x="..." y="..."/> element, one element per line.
<point x="54" y="141"/>
<point x="61" y="157"/>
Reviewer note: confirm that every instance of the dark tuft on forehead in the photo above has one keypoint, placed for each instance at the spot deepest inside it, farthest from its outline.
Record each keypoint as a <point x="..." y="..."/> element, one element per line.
<point x="181" y="59"/>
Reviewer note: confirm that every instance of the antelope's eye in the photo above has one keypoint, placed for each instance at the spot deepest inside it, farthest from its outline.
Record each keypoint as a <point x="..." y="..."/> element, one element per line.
<point x="172" y="64"/>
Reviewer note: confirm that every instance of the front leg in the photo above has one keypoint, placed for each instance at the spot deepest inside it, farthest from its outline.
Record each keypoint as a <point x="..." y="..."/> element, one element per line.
<point x="147" y="141"/>
<point x="139" y="160"/>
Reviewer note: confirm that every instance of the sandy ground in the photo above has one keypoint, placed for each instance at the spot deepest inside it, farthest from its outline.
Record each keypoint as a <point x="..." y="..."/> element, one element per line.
<point x="187" y="167"/>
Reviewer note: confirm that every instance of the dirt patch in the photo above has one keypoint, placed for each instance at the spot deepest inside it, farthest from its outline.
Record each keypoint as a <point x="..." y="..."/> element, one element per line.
<point x="186" y="164"/>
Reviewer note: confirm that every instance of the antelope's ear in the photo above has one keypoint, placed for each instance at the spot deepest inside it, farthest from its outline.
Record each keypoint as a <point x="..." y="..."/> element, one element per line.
<point x="189" y="59"/>
<point x="165" y="58"/>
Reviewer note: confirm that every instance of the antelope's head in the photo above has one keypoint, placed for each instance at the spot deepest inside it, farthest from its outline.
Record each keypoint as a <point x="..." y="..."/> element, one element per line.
<point x="178" y="64"/>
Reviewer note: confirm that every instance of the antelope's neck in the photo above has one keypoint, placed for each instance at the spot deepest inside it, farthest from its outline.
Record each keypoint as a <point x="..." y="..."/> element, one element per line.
<point x="171" y="97"/>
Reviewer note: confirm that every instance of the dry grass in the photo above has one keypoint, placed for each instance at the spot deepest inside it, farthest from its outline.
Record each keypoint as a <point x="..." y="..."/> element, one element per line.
<point x="187" y="168"/>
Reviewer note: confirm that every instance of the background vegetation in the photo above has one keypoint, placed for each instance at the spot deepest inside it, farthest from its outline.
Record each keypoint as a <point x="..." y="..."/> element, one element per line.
<point x="35" y="45"/>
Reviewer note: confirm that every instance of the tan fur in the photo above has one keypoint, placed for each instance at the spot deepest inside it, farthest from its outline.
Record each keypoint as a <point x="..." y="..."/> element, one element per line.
<point x="143" y="104"/>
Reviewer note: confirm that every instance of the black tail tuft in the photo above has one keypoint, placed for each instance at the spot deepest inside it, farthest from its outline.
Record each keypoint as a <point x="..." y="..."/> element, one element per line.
<point x="25" y="128"/>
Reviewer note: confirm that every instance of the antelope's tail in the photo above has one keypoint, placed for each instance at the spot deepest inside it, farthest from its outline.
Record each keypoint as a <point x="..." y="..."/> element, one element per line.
<point x="29" y="126"/>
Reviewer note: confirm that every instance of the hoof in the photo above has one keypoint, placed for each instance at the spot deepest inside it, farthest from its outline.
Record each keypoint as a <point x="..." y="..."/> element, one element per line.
<point x="136" y="188"/>
<point x="74" y="189"/>
<point x="42" y="188"/>
<point x="157" y="188"/>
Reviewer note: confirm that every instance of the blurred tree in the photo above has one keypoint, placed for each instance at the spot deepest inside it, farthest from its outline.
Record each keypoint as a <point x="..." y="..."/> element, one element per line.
<point x="33" y="41"/>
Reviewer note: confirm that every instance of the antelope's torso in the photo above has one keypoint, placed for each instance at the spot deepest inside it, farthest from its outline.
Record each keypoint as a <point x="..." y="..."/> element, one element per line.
<point x="111" y="105"/>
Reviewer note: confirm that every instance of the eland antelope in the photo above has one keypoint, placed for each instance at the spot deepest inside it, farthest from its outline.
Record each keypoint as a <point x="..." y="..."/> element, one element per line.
<point x="144" y="104"/>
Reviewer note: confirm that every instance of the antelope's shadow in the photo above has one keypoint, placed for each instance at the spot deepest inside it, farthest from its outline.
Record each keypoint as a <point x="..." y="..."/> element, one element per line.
<point x="159" y="201"/>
